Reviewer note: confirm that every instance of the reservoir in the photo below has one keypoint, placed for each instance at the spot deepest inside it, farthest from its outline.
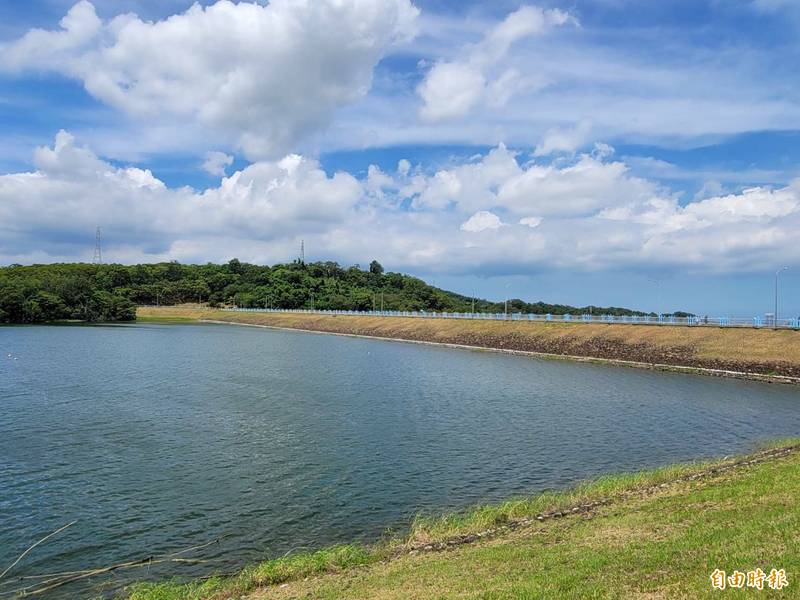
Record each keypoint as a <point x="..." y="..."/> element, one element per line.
<point x="156" y="438"/>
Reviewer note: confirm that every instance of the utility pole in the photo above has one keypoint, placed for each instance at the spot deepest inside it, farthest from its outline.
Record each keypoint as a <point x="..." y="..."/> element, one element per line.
<point x="302" y="252"/>
<point x="97" y="258"/>
<point x="473" y="302"/>
<point x="775" y="317"/>
<point x="381" y="301"/>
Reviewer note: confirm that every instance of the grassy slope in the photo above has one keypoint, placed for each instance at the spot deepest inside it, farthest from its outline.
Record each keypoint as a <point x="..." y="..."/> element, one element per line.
<point x="659" y="536"/>
<point x="764" y="350"/>
<point x="660" y="546"/>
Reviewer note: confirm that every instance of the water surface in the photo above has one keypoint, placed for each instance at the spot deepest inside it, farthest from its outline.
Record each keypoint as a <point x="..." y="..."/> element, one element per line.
<point x="160" y="437"/>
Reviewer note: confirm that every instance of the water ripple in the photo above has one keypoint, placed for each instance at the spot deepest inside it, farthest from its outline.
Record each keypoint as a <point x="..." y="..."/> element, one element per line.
<point x="158" y="438"/>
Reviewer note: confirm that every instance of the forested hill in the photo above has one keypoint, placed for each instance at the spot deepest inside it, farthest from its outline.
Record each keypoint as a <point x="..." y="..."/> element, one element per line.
<point x="41" y="293"/>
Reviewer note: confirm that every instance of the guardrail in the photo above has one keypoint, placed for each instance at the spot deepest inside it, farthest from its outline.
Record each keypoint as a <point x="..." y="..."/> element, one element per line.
<point x="667" y="320"/>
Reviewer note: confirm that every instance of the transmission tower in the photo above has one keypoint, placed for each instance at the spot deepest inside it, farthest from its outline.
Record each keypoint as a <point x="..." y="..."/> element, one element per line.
<point x="97" y="259"/>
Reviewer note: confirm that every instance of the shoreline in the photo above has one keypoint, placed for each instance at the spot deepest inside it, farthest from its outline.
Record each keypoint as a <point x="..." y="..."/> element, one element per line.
<point x="442" y="538"/>
<point x="753" y="354"/>
<point x="687" y="369"/>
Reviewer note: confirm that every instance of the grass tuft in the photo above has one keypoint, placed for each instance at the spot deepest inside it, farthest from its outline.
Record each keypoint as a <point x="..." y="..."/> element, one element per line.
<point x="270" y="572"/>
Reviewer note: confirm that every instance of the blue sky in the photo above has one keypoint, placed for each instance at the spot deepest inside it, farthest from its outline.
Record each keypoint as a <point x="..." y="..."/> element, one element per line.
<point x="572" y="152"/>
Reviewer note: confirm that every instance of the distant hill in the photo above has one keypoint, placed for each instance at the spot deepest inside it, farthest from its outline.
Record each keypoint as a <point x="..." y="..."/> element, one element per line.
<point x="42" y="293"/>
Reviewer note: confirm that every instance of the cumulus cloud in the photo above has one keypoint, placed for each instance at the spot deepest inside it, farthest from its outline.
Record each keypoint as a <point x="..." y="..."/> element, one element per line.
<point x="72" y="191"/>
<point x="480" y="221"/>
<point x="260" y="77"/>
<point x="452" y="89"/>
<point x="55" y="49"/>
<point x="491" y="212"/>
<point x="216" y="163"/>
<point x="584" y="186"/>
<point x="564" y="139"/>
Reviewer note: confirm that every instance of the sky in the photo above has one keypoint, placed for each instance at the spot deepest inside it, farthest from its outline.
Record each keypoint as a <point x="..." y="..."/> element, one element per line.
<point x="607" y="152"/>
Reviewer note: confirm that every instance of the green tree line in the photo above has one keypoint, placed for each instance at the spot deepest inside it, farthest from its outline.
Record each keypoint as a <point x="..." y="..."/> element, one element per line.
<point x="87" y="292"/>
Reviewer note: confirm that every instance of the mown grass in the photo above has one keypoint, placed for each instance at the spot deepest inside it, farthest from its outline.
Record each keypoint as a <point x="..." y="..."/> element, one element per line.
<point x="755" y="509"/>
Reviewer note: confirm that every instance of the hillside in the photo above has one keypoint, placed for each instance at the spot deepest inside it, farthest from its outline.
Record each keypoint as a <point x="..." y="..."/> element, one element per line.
<point x="42" y="293"/>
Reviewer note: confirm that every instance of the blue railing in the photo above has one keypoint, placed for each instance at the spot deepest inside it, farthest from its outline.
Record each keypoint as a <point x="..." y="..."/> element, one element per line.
<point x="666" y="320"/>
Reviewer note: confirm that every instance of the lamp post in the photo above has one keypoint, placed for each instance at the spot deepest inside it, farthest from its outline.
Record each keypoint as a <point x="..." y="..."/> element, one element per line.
<point x="775" y="318"/>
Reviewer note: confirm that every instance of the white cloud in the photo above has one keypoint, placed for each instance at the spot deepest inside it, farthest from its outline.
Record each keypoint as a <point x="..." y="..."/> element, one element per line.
<point x="564" y="139"/>
<point x="55" y="49"/>
<point x="489" y="213"/>
<point x="481" y="221"/>
<point x="621" y="78"/>
<point x="588" y="184"/>
<point x="216" y="163"/>
<point x="72" y="191"/>
<point x="708" y="189"/>
<point x="531" y="221"/>
<point x="260" y="77"/>
<point x="452" y="89"/>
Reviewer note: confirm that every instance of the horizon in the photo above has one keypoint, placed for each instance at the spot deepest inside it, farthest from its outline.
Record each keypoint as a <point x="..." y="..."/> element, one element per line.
<point x="549" y="151"/>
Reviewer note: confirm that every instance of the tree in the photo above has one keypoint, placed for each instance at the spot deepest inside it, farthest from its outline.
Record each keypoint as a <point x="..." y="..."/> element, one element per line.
<point x="234" y="266"/>
<point x="376" y="268"/>
<point x="43" y="293"/>
<point x="51" y="307"/>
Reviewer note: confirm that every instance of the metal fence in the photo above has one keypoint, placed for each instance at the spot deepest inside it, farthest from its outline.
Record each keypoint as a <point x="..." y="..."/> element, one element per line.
<point x="667" y="320"/>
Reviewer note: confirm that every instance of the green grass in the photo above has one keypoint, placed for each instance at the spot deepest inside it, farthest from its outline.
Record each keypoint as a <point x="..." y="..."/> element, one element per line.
<point x="271" y="572"/>
<point x="650" y="541"/>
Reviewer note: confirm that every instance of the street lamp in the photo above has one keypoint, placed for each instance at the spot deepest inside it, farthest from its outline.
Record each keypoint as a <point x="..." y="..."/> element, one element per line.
<point x="778" y="272"/>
